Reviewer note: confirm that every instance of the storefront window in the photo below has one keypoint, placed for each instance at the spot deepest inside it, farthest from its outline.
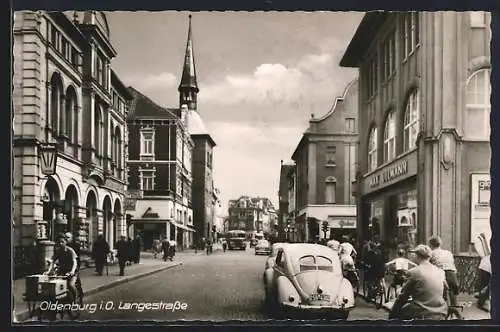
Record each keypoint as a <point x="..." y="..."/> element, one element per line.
<point x="376" y="225"/>
<point x="407" y="219"/>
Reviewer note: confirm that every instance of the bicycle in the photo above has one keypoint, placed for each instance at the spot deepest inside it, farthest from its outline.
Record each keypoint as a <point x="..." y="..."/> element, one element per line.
<point x="376" y="292"/>
<point x="399" y="279"/>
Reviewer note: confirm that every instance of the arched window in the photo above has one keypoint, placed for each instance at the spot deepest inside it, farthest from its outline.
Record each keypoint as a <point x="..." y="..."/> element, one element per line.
<point x="390" y="137"/>
<point x="330" y="190"/>
<point x="112" y="143"/>
<point x="55" y="102"/>
<point x="71" y="115"/>
<point x="477" y="118"/>
<point x="372" y="149"/>
<point x="98" y="122"/>
<point x="411" y="121"/>
<point x="118" y="147"/>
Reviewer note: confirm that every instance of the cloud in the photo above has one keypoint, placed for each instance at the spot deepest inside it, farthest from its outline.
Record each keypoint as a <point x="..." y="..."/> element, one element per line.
<point x="312" y="78"/>
<point x="247" y="156"/>
<point x="162" y="80"/>
<point x="255" y="134"/>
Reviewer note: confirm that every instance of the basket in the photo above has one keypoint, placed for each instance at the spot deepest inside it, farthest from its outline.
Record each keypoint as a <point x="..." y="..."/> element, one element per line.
<point x="32" y="286"/>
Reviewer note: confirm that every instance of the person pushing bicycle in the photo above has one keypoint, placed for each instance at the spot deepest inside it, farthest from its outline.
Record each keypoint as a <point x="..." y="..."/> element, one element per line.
<point x="66" y="260"/>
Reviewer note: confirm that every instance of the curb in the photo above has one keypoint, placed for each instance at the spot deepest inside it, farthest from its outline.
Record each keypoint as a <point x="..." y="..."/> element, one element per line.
<point x="24" y="315"/>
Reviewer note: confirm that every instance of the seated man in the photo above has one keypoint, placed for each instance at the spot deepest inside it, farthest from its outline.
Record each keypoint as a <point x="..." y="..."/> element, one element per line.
<point x="66" y="259"/>
<point x="422" y="295"/>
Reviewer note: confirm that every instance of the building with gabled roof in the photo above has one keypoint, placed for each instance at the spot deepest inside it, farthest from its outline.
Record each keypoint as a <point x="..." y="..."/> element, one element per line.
<point x="159" y="172"/>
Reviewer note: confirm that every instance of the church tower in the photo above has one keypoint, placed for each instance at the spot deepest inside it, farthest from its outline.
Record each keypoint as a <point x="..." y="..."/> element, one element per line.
<point x="188" y="88"/>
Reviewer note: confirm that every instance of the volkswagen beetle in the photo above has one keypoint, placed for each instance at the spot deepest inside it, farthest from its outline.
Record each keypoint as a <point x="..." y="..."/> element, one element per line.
<point x="307" y="279"/>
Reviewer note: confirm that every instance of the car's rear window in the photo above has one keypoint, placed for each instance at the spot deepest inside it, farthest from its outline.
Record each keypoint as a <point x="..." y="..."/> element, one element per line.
<point x="262" y="243"/>
<point x="310" y="262"/>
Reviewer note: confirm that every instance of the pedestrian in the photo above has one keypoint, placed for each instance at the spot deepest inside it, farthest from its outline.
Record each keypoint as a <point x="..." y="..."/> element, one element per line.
<point x="100" y="252"/>
<point x="334" y="245"/>
<point x="483" y="285"/>
<point x="348" y="247"/>
<point x="165" y="247"/>
<point x="156" y="247"/>
<point x="444" y="259"/>
<point x="422" y="295"/>
<point x="375" y="267"/>
<point x="137" y="249"/>
<point x="400" y="265"/>
<point x="224" y="245"/>
<point x="123" y="254"/>
<point x="208" y="246"/>
<point x="130" y="244"/>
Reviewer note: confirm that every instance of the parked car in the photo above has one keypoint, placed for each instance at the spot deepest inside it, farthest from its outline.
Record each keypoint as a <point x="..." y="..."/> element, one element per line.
<point x="272" y="256"/>
<point x="307" y="279"/>
<point x="263" y="247"/>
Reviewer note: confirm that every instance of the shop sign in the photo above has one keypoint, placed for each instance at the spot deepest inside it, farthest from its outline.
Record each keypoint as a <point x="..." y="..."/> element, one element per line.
<point x="480" y="204"/>
<point x="339" y="222"/>
<point x="390" y="173"/>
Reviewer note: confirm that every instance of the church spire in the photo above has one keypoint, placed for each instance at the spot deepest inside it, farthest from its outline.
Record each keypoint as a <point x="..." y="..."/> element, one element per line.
<point x="188" y="88"/>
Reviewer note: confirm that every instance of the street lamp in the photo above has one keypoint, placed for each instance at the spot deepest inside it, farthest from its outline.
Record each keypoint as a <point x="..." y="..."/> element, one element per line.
<point x="48" y="163"/>
<point x="48" y="157"/>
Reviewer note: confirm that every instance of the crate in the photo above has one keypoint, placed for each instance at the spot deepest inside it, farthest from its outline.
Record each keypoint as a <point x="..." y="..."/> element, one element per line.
<point x="54" y="289"/>
<point x="32" y="285"/>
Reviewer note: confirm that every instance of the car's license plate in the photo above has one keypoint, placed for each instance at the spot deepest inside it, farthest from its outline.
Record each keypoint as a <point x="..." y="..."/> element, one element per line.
<point x="320" y="297"/>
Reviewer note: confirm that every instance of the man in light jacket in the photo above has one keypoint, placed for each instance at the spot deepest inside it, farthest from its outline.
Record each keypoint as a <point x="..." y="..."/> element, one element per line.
<point x="422" y="294"/>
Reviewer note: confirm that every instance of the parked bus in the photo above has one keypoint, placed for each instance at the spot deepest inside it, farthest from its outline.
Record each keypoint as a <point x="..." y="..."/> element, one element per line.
<point x="236" y="240"/>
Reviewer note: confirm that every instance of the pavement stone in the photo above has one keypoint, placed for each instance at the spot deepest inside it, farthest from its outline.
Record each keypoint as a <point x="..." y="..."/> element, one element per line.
<point x="93" y="283"/>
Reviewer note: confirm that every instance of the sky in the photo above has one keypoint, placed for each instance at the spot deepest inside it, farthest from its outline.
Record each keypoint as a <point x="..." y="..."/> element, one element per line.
<point x="260" y="75"/>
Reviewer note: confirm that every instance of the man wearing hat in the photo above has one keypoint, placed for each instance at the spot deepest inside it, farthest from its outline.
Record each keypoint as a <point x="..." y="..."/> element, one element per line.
<point x="425" y="286"/>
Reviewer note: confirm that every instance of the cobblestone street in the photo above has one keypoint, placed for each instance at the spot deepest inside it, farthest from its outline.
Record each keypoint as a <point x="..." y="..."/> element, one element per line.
<point x="222" y="286"/>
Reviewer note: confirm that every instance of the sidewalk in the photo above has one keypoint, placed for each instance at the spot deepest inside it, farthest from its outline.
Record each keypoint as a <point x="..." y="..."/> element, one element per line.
<point x="470" y="312"/>
<point x="93" y="283"/>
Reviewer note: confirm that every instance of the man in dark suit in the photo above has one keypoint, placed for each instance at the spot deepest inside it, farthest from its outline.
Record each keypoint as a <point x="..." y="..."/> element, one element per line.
<point x="123" y="253"/>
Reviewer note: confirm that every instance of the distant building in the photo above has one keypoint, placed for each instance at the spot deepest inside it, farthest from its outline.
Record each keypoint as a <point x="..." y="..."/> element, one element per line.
<point x="218" y="213"/>
<point x="325" y="169"/>
<point x="424" y="108"/>
<point x="253" y="215"/>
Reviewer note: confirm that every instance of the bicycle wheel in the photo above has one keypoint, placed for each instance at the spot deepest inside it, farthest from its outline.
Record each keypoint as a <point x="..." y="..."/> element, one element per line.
<point x="379" y="295"/>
